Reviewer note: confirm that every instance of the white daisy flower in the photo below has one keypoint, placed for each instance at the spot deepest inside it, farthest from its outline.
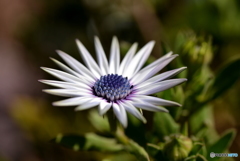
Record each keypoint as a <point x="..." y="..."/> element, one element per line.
<point x="121" y="86"/>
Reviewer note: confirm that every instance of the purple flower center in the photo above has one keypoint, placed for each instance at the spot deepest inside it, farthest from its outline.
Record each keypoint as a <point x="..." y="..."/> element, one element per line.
<point x="112" y="87"/>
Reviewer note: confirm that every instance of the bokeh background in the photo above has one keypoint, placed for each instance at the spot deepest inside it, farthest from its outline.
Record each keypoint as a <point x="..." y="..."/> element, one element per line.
<point x="31" y="31"/>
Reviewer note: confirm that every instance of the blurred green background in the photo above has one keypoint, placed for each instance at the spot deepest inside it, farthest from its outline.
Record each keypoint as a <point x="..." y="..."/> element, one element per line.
<point x="31" y="31"/>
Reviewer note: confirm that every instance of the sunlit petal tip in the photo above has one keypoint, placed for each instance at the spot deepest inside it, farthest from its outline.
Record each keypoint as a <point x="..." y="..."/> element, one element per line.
<point x="80" y="45"/>
<point x="175" y="104"/>
<point x="45" y="68"/>
<point x="165" y="111"/>
<point x="45" y="90"/>
<point x="77" y="109"/>
<point x="149" y="46"/>
<point x="61" y="53"/>
<point x="57" y="62"/>
<point x="42" y="81"/>
<point x="144" y="120"/>
<point x="135" y="45"/>
<point x="175" y="55"/>
<point x="104" y="107"/>
<point x="78" y="41"/>
<point x="182" y="68"/>
<point x="115" y="42"/>
<point x="52" y="59"/>
<point x="57" y="104"/>
<point x="96" y="40"/>
<point x="169" y="53"/>
<point x="115" y="38"/>
<point x="70" y="101"/>
<point x="152" y="43"/>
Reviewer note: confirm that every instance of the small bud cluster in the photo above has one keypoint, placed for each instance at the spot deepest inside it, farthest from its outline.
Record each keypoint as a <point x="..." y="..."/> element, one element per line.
<point x="177" y="147"/>
<point x="112" y="87"/>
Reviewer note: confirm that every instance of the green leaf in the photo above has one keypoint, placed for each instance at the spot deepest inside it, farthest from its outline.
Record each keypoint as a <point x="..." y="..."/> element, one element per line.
<point x="138" y="151"/>
<point x="203" y="118"/>
<point x="201" y="158"/>
<point x="184" y="130"/>
<point x="164" y="124"/>
<point x="98" y="121"/>
<point x="227" y="76"/>
<point x="153" y="149"/>
<point x="197" y="146"/>
<point x="197" y="157"/>
<point x="131" y="146"/>
<point x="223" y="143"/>
<point x="191" y="158"/>
<point x="88" y="142"/>
<point x="203" y="151"/>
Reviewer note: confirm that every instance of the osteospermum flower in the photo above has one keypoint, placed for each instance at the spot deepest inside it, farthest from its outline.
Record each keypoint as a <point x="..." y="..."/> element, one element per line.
<point x="124" y="86"/>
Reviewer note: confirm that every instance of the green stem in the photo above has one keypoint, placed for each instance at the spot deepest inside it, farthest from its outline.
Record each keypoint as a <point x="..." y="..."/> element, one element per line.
<point x="131" y="146"/>
<point x="112" y="121"/>
<point x="121" y="137"/>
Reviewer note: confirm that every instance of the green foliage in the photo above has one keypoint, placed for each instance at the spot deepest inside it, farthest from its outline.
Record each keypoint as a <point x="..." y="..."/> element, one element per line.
<point x="225" y="79"/>
<point x="164" y="125"/>
<point x="99" y="122"/>
<point x="223" y="143"/>
<point x="177" y="148"/>
<point x="88" y="142"/>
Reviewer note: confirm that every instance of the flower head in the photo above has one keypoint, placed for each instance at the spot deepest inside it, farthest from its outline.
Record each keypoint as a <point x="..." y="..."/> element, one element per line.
<point x="121" y="86"/>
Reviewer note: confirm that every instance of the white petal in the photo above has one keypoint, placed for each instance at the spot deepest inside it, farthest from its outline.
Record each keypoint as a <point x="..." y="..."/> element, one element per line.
<point x="68" y="85"/>
<point x="145" y="74"/>
<point x="148" y="106"/>
<point x="139" y="59"/>
<point x="88" y="59"/>
<point x="101" y="57"/>
<point x="120" y="113"/>
<point x="114" y="57"/>
<point x="163" y="76"/>
<point x="127" y="59"/>
<point x="72" y="101"/>
<point x="133" y="110"/>
<point x="62" y="75"/>
<point x="89" y="104"/>
<point x="155" y="100"/>
<point x="156" y="62"/>
<point x="76" y="65"/>
<point x="160" y="86"/>
<point x="66" y="68"/>
<point x="68" y="92"/>
<point x="104" y="106"/>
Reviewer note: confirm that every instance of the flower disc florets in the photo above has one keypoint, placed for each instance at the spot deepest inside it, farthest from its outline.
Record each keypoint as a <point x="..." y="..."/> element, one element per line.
<point x="112" y="87"/>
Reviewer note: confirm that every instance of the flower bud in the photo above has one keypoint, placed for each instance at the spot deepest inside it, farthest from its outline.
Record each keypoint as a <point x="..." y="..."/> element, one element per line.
<point x="177" y="148"/>
<point x="197" y="51"/>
